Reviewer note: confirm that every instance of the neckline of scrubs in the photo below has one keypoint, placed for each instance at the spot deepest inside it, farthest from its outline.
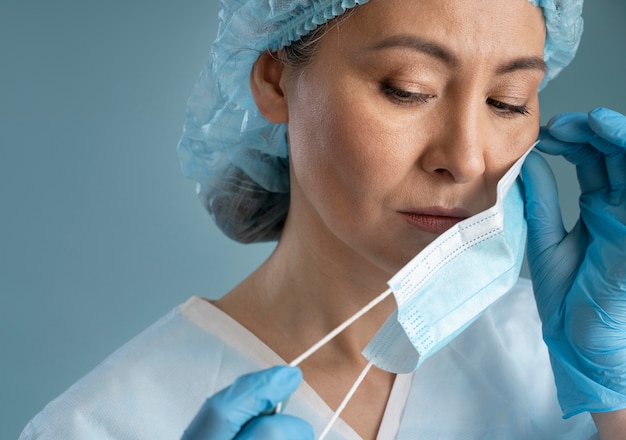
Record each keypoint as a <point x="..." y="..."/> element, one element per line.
<point x="204" y="314"/>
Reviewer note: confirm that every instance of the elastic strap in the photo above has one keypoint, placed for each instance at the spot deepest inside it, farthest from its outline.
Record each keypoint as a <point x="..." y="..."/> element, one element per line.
<point x="345" y="400"/>
<point x="340" y="328"/>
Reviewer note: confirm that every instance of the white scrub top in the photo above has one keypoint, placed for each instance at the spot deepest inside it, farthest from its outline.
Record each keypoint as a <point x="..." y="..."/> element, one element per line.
<point x="492" y="382"/>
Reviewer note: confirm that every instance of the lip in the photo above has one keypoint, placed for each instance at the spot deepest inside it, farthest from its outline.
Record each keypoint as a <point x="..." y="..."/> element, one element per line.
<point x="434" y="220"/>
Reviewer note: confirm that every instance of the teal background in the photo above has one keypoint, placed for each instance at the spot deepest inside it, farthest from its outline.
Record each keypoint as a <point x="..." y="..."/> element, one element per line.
<point x="99" y="233"/>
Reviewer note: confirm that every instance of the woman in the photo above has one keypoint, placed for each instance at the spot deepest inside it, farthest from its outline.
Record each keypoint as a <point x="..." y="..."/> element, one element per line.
<point x="402" y="117"/>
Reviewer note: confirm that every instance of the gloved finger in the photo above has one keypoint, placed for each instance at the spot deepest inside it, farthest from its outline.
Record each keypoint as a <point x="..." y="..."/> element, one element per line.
<point x="609" y="125"/>
<point x="223" y="415"/>
<point x="610" y="139"/>
<point x="578" y="153"/>
<point x="616" y="172"/>
<point x="276" y="427"/>
<point x="553" y="254"/>
<point x="614" y="162"/>
<point x="571" y="128"/>
<point x="545" y="230"/>
<point x="590" y="164"/>
<point x="543" y="213"/>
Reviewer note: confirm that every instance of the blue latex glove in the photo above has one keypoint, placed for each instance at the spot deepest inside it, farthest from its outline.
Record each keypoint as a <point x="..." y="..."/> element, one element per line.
<point x="579" y="277"/>
<point x="236" y="412"/>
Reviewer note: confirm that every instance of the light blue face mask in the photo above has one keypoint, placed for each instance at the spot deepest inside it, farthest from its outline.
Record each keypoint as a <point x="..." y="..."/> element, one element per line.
<point x="449" y="284"/>
<point x="453" y="280"/>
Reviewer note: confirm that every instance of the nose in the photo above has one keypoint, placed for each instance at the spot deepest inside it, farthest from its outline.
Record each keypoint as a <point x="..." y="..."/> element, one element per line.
<point x="457" y="149"/>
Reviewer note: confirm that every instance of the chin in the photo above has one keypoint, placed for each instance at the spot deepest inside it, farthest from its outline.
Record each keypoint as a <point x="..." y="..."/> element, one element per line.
<point x="393" y="264"/>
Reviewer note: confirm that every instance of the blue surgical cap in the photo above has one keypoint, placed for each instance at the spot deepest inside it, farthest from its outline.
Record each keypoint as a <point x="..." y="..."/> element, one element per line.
<point x="239" y="159"/>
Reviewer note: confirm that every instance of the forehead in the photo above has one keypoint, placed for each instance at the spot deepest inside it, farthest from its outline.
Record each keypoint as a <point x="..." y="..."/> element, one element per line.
<point x="469" y="28"/>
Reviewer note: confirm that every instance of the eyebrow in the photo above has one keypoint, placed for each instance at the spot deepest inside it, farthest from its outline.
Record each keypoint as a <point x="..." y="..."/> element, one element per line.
<point x="438" y="51"/>
<point x="412" y="42"/>
<point x="525" y="63"/>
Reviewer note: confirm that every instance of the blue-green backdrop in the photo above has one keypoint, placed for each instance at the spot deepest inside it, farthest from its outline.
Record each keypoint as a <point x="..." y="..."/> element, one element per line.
<point x="99" y="233"/>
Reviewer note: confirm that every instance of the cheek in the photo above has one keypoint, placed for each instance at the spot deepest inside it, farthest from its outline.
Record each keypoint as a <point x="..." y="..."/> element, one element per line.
<point x="514" y="141"/>
<point x="526" y="136"/>
<point x="307" y="130"/>
<point x="340" y="149"/>
<point x="366" y="159"/>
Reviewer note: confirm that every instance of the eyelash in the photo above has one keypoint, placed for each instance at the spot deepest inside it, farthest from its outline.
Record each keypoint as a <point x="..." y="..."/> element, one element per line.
<point x="508" y="110"/>
<point x="404" y="97"/>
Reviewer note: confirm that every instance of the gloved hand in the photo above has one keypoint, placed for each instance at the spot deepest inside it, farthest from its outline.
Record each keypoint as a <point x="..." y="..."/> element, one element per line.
<point x="579" y="277"/>
<point x="236" y="412"/>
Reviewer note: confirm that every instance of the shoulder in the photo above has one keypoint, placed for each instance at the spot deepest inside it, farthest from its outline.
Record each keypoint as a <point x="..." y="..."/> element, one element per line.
<point x="152" y="386"/>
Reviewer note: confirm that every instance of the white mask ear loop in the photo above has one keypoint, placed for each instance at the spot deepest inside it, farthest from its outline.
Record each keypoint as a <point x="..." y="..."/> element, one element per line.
<point x="345" y="400"/>
<point x="319" y="344"/>
<point x="340" y="328"/>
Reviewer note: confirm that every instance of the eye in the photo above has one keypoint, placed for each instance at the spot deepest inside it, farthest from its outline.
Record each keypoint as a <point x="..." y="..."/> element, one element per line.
<point x="404" y="97"/>
<point x="508" y="110"/>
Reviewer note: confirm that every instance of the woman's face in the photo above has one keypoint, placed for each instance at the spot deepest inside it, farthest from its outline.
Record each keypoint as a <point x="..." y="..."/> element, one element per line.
<point x="407" y="117"/>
